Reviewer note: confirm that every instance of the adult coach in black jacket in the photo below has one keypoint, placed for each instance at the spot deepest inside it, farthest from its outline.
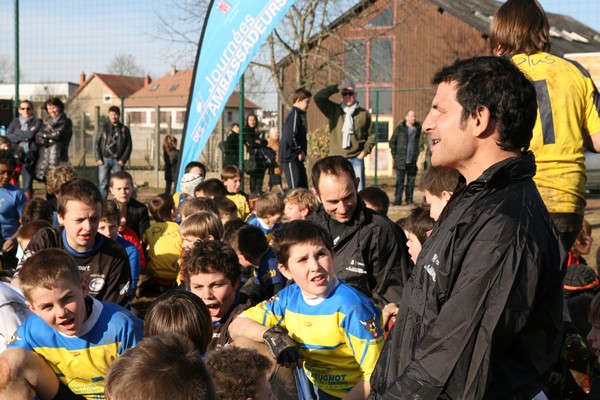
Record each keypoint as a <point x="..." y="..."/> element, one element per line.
<point x="292" y="146"/>
<point x="370" y="253"/>
<point x="481" y="316"/>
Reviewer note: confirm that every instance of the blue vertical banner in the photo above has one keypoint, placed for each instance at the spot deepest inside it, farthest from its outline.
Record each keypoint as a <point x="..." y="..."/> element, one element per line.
<point x="232" y="34"/>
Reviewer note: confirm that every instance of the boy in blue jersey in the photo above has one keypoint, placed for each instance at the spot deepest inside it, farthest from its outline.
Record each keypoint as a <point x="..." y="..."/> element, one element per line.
<point x="319" y="322"/>
<point x="77" y="335"/>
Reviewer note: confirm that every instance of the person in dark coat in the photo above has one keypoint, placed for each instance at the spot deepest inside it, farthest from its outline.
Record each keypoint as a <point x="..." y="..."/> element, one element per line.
<point x="231" y="146"/>
<point x="255" y="143"/>
<point x="171" y="159"/>
<point x="293" y="146"/>
<point x="53" y="139"/>
<point x="481" y="316"/>
<point x="404" y="145"/>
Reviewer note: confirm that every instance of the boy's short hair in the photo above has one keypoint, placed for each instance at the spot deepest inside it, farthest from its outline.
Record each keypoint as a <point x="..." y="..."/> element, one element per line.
<point x="195" y="164"/>
<point x="594" y="312"/>
<point x="7" y="158"/>
<point x="437" y="180"/>
<point x="212" y="187"/>
<point x="230" y="228"/>
<point x="180" y="312"/>
<point x="225" y="205"/>
<point x="4" y="140"/>
<point x="301" y="197"/>
<point x="58" y="176"/>
<point x="249" y="240"/>
<point x="202" y="225"/>
<point x="230" y="171"/>
<point x="161" y="207"/>
<point x="211" y="256"/>
<point x="194" y="204"/>
<point x="78" y="190"/>
<point x="229" y="383"/>
<point x="44" y="268"/>
<point x="29" y="229"/>
<point x="418" y="222"/>
<point x="110" y="212"/>
<point x="37" y="208"/>
<point x="301" y="94"/>
<point x="121" y="175"/>
<point x="114" y="109"/>
<point x="377" y="198"/>
<point x="161" y="367"/>
<point x="268" y="204"/>
<point x="298" y="232"/>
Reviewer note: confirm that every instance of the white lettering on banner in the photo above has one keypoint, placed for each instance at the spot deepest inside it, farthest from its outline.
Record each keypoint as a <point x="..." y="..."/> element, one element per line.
<point x="236" y="52"/>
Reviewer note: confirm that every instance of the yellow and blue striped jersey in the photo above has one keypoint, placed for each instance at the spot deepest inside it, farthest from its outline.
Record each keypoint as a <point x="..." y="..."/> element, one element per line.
<point x="81" y="361"/>
<point x="340" y="336"/>
<point x="568" y="105"/>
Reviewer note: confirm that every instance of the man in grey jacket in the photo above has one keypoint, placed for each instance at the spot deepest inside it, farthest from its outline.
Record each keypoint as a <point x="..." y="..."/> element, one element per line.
<point x="112" y="149"/>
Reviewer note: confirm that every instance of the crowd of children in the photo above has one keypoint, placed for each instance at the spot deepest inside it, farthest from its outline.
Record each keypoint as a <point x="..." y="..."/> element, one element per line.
<point x="233" y="285"/>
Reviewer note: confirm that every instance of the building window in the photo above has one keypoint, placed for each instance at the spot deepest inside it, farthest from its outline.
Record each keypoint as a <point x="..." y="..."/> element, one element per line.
<point x="174" y="87"/>
<point x="380" y="60"/>
<point x="107" y="98"/>
<point x="383" y="19"/>
<point x="383" y="128"/>
<point x="179" y="117"/>
<point x="137" y="117"/>
<point x="229" y="116"/>
<point x="385" y="100"/>
<point x="154" y="87"/>
<point x="355" y="65"/>
<point x="165" y="116"/>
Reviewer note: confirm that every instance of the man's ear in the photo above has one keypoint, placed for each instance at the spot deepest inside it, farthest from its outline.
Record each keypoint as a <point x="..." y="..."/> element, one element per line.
<point x="314" y="191"/>
<point x="446" y="195"/>
<point x="482" y="121"/>
<point x="284" y="271"/>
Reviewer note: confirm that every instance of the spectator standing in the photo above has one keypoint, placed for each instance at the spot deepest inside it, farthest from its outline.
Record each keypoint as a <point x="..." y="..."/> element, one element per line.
<point x="569" y="112"/>
<point x="53" y="139"/>
<point x="274" y="168"/>
<point x="350" y="126"/>
<point x="171" y="159"/>
<point x="404" y="146"/>
<point x="256" y="143"/>
<point x="112" y="149"/>
<point x="231" y="146"/>
<point x="507" y="336"/>
<point x="293" y="147"/>
<point x="21" y="133"/>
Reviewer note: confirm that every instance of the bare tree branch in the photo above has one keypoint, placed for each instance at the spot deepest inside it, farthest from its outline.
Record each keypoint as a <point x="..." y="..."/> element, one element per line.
<point x="124" y="64"/>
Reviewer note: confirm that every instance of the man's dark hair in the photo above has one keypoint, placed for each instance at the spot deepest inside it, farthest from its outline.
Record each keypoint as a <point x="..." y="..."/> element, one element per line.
<point x="161" y="367"/>
<point x="114" y="109"/>
<point x="6" y="157"/>
<point x="298" y="232"/>
<point x="498" y="85"/>
<point x="211" y="256"/>
<point x="230" y="384"/>
<point x="376" y="197"/>
<point x="301" y="94"/>
<point x="194" y="164"/>
<point x="332" y="165"/>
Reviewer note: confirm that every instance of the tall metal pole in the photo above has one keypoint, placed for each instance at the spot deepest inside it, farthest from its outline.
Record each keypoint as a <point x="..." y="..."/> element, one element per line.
<point x="16" y="55"/>
<point x="376" y="135"/>
<point x="241" y="135"/>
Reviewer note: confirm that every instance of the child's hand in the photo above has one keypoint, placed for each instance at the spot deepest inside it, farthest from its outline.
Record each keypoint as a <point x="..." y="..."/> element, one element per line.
<point x="283" y="347"/>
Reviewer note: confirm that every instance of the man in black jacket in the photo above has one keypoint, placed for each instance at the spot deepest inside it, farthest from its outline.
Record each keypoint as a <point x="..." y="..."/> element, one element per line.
<point x="292" y="146"/>
<point x="370" y="253"/>
<point x="112" y="149"/>
<point x="405" y="146"/>
<point x="481" y="316"/>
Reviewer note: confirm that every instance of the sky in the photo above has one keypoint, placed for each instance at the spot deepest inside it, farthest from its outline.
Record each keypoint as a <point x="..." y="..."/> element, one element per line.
<point x="60" y="39"/>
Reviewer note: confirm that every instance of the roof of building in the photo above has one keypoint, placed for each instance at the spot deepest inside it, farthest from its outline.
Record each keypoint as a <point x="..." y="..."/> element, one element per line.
<point x="119" y="85"/>
<point x="172" y="90"/>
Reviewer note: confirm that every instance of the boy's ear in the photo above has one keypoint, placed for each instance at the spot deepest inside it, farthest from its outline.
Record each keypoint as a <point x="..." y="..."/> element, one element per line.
<point x="304" y="212"/>
<point x="284" y="271"/>
<point x="30" y="306"/>
<point x="446" y="195"/>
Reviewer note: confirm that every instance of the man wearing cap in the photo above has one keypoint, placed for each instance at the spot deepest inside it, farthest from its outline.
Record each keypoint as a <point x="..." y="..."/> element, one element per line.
<point x="352" y="134"/>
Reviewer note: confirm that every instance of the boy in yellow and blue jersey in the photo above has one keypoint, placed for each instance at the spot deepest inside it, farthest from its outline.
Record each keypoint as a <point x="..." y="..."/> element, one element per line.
<point x="319" y="322"/>
<point x="77" y="335"/>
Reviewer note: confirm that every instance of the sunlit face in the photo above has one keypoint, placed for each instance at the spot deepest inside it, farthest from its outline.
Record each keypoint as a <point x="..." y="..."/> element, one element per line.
<point x="413" y="244"/>
<point x="52" y="110"/>
<point x="216" y="291"/>
<point x="348" y="96"/>
<point x="25" y="110"/>
<point x="6" y="172"/>
<point x="583" y="243"/>
<point x="593" y="338"/>
<point x="272" y="220"/>
<point x="436" y="204"/>
<point x="110" y="229"/>
<point x="452" y="141"/>
<point x="292" y="212"/>
<point x="62" y="307"/>
<point x="274" y="134"/>
<point x="197" y="171"/>
<point x="121" y="190"/>
<point x="252" y="122"/>
<point x="338" y="196"/>
<point x="233" y="185"/>
<point x="410" y="118"/>
<point x="311" y="267"/>
<point x="113" y="117"/>
<point x="302" y="104"/>
<point x="81" y="224"/>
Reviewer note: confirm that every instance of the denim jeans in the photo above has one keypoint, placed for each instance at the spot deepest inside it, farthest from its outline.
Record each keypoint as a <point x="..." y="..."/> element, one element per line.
<point x="410" y="173"/>
<point x="359" y="170"/>
<point x="110" y="166"/>
<point x="28" y="172"/>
